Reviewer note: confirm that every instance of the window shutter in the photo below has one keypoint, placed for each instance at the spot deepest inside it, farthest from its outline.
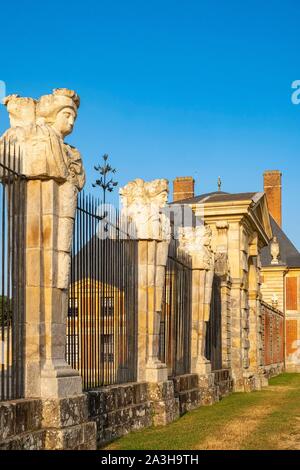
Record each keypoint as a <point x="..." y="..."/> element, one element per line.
<point x="291" y="293"/>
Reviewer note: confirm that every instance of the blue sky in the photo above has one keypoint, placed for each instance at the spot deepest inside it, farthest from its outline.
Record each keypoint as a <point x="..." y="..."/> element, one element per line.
<point x="169" y="88"/>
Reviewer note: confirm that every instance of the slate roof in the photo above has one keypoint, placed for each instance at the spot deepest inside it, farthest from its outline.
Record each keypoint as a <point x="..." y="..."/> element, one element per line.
<point x="289" y="255"/>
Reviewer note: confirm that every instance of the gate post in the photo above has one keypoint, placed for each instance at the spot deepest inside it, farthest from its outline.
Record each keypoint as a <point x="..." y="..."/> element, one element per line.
<point x="54" y="174"/>
<point x="196" y="242"/>
<point x="144" y="204"/>
<point x="50" y="209"/>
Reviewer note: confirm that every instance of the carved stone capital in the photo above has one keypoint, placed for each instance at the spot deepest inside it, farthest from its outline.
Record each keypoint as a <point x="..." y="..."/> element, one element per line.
<point x="222" y="225"/>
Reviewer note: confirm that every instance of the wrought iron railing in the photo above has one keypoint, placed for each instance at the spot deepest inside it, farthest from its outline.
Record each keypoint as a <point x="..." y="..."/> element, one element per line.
<point x="101" y="323"/>
<point x="213" y="337"/>
<point x="175" y="326"/>
<point x="12" y="266"/>
<point x="272" y="335"/>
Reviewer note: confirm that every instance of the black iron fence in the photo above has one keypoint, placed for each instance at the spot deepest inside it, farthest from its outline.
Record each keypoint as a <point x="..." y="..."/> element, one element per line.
<point x="213" y="338"/>
<point x="175" y="326"/>
<point x="12" y="265"/>
<point x="101" y="326"/>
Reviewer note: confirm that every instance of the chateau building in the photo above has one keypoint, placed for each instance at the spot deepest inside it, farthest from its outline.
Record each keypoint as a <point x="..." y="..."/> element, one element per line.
<point x="260" y="266"/>
<point x="281" y="271"/>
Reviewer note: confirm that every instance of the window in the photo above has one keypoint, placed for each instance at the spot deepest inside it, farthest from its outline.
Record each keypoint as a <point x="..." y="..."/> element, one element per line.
<point x="72" y="348"/>
<point x="107" y="305"/>
<point x="108" y="346"/>
<point x="291" y="293"/>
<point x="107" y="339"/>
<point x="107" y="357"/>
<point x="73" y="307"/>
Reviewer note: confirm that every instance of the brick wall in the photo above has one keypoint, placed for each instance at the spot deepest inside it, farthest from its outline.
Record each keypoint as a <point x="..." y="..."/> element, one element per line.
<point x="291" y="336"/>
<point x="273" y="335"/>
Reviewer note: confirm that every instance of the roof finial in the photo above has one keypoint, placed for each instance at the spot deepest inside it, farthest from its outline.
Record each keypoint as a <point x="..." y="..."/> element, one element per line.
<point x="219" y="183"/>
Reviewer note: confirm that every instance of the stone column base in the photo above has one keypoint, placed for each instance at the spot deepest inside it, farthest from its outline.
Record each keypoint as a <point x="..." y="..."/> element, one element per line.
<point x="165" y="405"/>
<point x="62" y="381"/>
<point x="238" y="382"/>
<point x="202" y="367"/>
<point x="264" y="381"/>
<point x="156" y="372"/>
<point x="209" y="392"/>
<point x="252" y="382"/>
<point x="67" y="424"/>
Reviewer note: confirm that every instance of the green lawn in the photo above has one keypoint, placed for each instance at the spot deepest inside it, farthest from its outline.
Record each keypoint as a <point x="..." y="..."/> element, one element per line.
<point x="267" y="419"/>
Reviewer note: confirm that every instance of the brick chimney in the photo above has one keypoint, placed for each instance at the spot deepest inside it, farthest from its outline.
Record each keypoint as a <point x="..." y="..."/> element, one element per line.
<point x="272" y="188"/>
<point x="183" y="188"/>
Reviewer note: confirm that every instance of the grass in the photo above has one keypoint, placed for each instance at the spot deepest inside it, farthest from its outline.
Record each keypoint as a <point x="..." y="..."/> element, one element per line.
<point x="266" y="419"/>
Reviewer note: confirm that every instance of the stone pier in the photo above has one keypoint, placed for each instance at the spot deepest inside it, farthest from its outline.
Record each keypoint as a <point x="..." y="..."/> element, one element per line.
<point x="54" y="175"/>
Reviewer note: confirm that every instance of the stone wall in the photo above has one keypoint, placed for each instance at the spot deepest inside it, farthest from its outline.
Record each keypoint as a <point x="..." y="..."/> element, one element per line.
<point x="36" y="424"/>
<point x="120" y="409"/>
<point x="186" y="390"/>
<point x="273" y="369"/>
<point x="223" y="380"/>
<point x="193" y="390"/>
<point x="21" y="425"/>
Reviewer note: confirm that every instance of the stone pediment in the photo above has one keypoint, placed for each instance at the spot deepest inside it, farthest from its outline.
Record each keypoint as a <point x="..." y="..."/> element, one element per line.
<point x="261" y="216"/>
<point x="250" y="207"/>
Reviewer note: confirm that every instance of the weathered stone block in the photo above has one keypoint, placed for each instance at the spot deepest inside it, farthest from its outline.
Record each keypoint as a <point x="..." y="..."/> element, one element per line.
<point x="28" y="441"/>
<point x="28" y="415"/>
<point x="65" y="412"/>
<point x="7" y="420"/>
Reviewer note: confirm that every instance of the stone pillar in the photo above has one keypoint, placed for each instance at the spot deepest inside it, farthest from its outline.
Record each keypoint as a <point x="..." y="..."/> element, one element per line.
<point x="196" y="242"/>
<point x="236" y="335"/>
<point x="152" y="258"/>
<point x="253" y="316"/>
<point x="199" y="363"/>
<point x="223" y="271"/>
<point x="54" y="175"/>
<point x="49" y="226"/>
<point x="143" y="213"/>
<point x="226" y="323"/>
<point x="235" y="299"/>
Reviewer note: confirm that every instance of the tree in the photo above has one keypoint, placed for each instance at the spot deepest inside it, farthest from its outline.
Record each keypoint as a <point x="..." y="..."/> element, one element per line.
<point x="5" y="310"/>
<point x="105" y="181"/>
